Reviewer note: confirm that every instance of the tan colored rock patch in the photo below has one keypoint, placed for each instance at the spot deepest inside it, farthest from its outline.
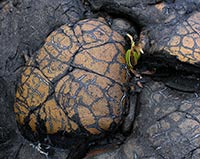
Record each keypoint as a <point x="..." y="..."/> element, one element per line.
<point x="74" y="82"/>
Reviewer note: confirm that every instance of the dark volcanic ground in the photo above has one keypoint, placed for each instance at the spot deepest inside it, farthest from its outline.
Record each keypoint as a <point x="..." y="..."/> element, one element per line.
<point x="167" y="124"/>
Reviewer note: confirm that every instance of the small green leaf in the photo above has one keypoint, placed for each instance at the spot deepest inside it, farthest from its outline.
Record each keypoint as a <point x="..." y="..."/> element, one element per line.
<point x="133" y="54"/>
<point x="132" y="44"/>
<point x="128" y="58"/>
<point x="136" y="56"/>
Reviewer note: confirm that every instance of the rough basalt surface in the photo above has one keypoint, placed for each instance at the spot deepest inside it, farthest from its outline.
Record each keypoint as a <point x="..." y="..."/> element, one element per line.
<point x="167" y="29"/>
<point x="168" y="126"/>
<point x="167" y="120"/>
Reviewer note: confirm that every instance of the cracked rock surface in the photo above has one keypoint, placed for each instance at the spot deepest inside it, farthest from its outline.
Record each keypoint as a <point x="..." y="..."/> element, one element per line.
<point x="167" y="123"/>
<point x="71" y="92"/>
<point x="167" y="126"/>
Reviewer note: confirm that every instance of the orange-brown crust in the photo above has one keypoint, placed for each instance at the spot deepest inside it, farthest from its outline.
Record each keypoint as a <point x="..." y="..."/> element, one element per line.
<point x="77" y="85"/>
<point x="185" y="43"/>
<point x="91" y="99"/>
<point x="58" y="51"/>
<point x="101" y="49"/>
<point x="34" y="87"/>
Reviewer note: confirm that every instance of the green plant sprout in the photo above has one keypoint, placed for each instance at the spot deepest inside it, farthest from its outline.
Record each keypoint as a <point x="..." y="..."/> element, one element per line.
<point x="133" y="54"/>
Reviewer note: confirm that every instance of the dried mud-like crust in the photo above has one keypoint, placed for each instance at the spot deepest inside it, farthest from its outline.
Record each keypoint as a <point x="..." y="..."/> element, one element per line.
<point x="169" y="29"/>
<point x="74" y="84"/>
<point x="185" y="42"/>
